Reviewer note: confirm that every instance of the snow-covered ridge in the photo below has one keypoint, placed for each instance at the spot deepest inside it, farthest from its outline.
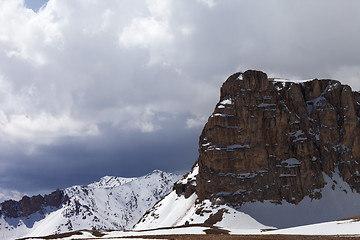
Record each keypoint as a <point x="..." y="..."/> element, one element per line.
<point x="283" y="80"/>
<point x="110" y="182"/>
<point x="109" y="203"/>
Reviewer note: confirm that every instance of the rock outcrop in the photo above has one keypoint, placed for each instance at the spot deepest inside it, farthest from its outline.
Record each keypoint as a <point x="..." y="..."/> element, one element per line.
<point x="271" y="139"/>
<point x="29" y="205"/>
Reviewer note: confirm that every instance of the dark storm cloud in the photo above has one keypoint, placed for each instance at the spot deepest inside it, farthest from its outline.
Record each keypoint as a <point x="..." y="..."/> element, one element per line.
<point x="94" y="88"/>
<point x="68" y="161"/>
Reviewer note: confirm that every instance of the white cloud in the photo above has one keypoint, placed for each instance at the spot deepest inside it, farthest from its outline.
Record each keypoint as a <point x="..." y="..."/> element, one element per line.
<point x="10" y="195"/>
<point x="186" y="30"/>
<point x="26" y="34"/>
<point x="145" y="33"/>
<point x="159" y="8"/>
<point x="350" y="74"/>
<point x="196" y="122"/>
<point x="146" y="121"/>
<point x="144" y="126"/>
<point x="208" y="3"/>
<point x="152" y="32"/>
<point x="42" y="128"/>
<point x="135" y="117"/>
<point x="102" y="25"/>
<point x="23" y="120"/>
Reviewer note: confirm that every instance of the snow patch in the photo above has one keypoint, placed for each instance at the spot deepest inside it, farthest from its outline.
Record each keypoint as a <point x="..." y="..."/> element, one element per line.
<point x="283" y="80"/>
<point x="227" y="102"/>
<point x="222" y="115"/>
<point x="292" y="162"/>
<point x="227" y="148"/>
<point x="191" y="176"/>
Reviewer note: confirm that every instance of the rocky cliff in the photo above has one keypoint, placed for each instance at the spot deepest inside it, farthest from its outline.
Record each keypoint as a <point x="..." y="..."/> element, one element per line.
<point x="271" y="139"/>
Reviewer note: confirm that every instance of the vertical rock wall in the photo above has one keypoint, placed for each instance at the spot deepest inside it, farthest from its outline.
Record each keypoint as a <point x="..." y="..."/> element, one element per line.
<point x="270" y="139"/>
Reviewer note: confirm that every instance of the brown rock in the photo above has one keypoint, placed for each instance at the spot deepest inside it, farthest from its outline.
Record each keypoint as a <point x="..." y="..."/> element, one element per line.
<point x="271" y="140"/>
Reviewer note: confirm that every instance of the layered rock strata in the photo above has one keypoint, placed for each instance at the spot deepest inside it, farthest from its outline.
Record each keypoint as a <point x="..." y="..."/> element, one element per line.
<point x="271" y="139"/>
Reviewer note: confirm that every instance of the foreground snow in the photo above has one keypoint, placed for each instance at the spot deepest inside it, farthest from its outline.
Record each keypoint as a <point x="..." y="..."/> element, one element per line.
<point x="341" y="228"/>
<point x="344" y="227"/>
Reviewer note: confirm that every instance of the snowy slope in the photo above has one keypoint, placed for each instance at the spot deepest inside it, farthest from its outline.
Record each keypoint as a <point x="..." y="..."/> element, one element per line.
<point x="344" y="227"/>
<point x="110" y="203"/>
<point x="337" y="202"/>
<point x="350" y="228"/>
<point x="192" y="211"/>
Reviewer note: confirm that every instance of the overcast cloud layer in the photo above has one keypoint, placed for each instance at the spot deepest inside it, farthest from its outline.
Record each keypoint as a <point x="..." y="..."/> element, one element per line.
<point x="91" y="88"/>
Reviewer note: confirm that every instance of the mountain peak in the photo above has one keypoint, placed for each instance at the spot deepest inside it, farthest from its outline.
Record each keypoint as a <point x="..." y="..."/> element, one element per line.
<point x="110" y="182"/>
<point x="156" y="171"/>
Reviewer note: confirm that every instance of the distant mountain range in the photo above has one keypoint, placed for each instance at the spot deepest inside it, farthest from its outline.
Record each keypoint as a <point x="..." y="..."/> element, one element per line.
<point x="110" y="203"/>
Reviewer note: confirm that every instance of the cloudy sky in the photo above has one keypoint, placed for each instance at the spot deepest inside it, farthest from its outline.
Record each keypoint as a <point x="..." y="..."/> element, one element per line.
<point x="91" y="88"/>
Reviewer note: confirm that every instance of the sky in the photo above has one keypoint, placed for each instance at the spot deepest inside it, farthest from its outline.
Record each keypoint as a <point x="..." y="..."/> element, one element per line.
<point x="90" y="88"/>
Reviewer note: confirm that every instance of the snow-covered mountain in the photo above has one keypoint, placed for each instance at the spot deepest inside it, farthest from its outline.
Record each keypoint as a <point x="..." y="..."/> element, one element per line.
<point x="109" y="203"/>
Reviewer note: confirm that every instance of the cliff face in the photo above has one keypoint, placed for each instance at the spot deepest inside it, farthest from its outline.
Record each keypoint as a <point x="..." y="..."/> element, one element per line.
<point x="270" y="139"/>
